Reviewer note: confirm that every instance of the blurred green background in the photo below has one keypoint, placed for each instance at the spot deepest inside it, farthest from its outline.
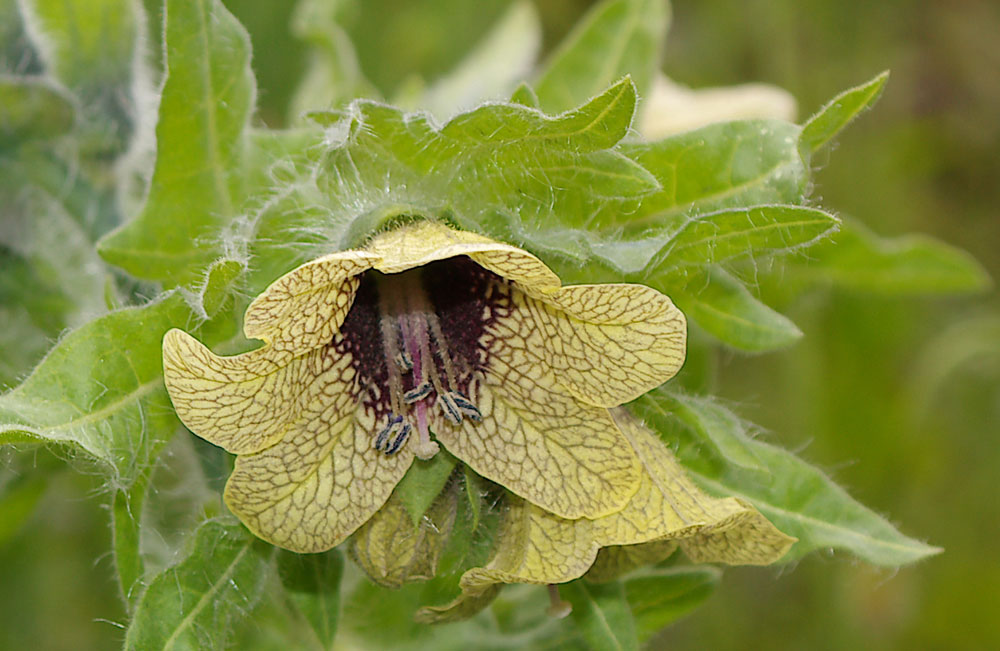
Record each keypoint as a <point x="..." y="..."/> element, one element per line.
<point x="897" y="398"/>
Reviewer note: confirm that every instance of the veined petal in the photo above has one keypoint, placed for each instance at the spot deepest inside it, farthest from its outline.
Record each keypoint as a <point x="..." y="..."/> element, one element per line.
<point x="567" y="457"/>
<point x="746" y="538"/>
<point x="315" y="487"/>
<point x="606" y="344"/>
<point x="304" y="308"/>
<point x="669" y="506"/>
<point x="616" y="560"/>
<point x="535" y="547"/>
<point x="242" y="403"/>
<point x="462" y="607"/>
<point x="393" y="551"/>
<point x="425" y="242"/>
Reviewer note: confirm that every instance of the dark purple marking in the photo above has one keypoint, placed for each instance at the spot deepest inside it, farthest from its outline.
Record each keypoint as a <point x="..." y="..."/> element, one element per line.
<point x="466" y="298"/>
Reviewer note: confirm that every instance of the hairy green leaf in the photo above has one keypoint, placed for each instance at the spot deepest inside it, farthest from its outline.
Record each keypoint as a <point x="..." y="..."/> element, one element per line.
<point x="502" y="168"/>
<point x="798" y="499"/>
<point x="667" y="255"/>
<point x="602" y="614"/>
<point x="194" y="604"/>
<point x="724" y="165"/>
<point x="93" y="47"/>
<point x="423" y="482"/>
<point x="312" y="585"/>
<point x="710" y="421"/>
<point x="839" y="112"/>
<point x="727" y="310"/>
<point x="101" y="389"/>
<point x="717" y="237"/>
<point x="661" y="597"/>
<point x="126" y="522"/>
<point x="197" y="185"/>
<point x="858" y="260"/>
<point x="617" y="38"/>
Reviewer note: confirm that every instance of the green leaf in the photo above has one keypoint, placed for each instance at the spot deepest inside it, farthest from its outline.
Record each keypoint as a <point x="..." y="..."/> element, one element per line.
<point x="665" y="257"/>
<point x="616" y="38"/>
<point x="33" y="109"/>
<point x="721" y="236"/>
<point x="725" y="308"/>
<point x="598" y="124"/>
<point x="499" y="169"/>
<point x="662" y="597"/>
<point x="312" y="585"/>
<point x="197" y="184"/>
<point x="715" y="424"/>
<point x="474" y="493"/>
<point x="803" y="502"/>
<point x="602" y="614"/>
<point x="726" y="165"/>
<point x="503" y="58"/>
<point x="93" y="47"/>
<point x="126" y="514"/>
<point x="839" y="112"/>
<point x="101" y="389"/>
<point x="423" y="482"/>
<point x="194" y="604"/>
<point x="219" y="285"/>
<point x="858" y="260"/>
<point x="525" y="96"/>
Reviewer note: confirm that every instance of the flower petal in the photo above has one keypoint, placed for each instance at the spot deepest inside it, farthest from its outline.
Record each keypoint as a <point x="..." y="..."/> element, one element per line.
<point x="461" y="607"/>
<point x="242" y="403"/>
<point x="567" y="457"/>
<point x="425" y="242"/>
<point x="304" y="308"/>
<point x="535" y="547"/>
<point x="310" y="491"/>
<point x="747" y="538"/>
<point x="669" y="505"/>
<point x="392" y="550"/>
<point x="616" y="560"/>
<point x="606" y="344"/>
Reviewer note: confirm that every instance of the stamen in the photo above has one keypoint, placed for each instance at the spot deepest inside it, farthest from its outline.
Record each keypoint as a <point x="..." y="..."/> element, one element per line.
<point x="418" y="394"/>
<point x="466" y="407"/>
<point x="400" y="439"/>
<point x="389" y="335"/>
<point x="451" y="411"/>
<point x="395" y="422"/>
<point x="441" y="346"/>
<point x="404" y="362"/>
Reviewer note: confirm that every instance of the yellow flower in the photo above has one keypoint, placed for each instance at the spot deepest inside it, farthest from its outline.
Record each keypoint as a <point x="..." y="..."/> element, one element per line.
<point x="668" y="510"/>
<point x="425" y="331"/>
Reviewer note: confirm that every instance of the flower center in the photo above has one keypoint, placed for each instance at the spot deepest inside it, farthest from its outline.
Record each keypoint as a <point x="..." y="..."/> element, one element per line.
<point x="415" y="341"/>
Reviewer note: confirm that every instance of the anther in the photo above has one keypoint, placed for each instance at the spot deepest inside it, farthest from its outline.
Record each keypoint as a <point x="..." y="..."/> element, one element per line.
<point x="466" y="407"/>
<point x="451" y="411"/>
<point x="400" y="439"/>
<point x="404" y="362"/>
<point x="418" y="394"/>
<point x="393" y="426"/>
